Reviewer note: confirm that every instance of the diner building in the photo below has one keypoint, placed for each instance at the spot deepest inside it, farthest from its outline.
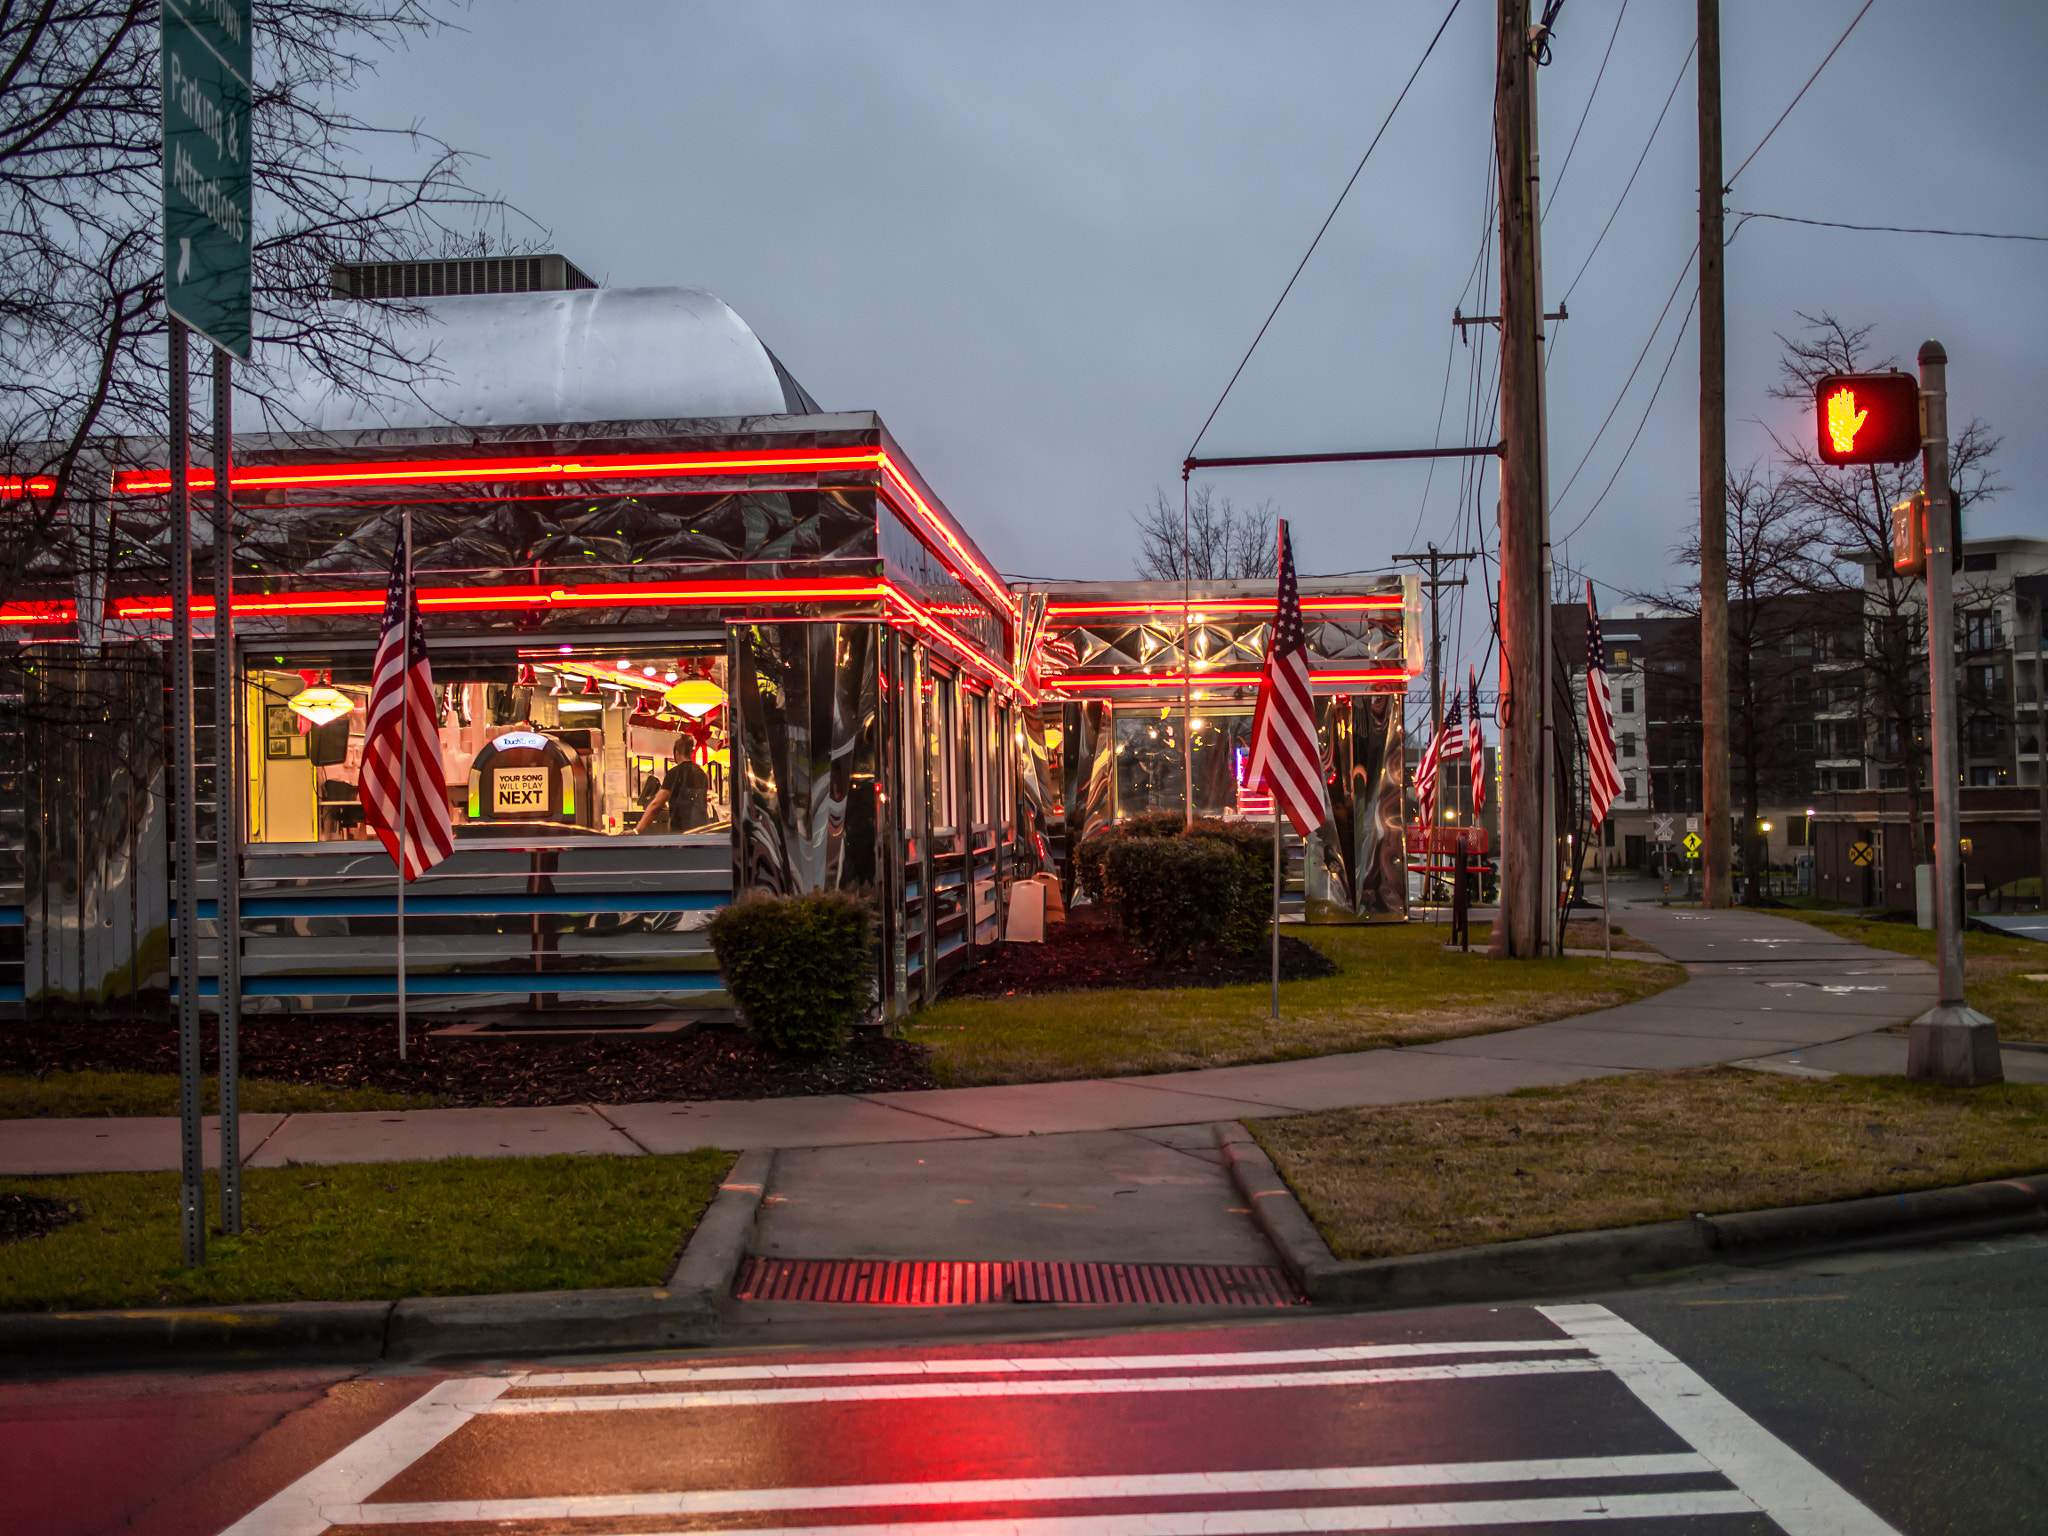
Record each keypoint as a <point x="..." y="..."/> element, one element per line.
<point x="692" y="637"/>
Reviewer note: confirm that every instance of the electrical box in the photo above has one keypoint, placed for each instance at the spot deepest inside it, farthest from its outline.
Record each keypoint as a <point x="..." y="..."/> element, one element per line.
<point x="1909" y="535"/>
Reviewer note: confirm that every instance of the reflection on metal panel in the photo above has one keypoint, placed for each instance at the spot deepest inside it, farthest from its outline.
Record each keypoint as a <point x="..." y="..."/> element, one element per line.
<point x="92" y="823"/>
<point x="1354" y="870"/>
<point x="912" y="565"/>
<point x="805" y="756"/>
<point x="1090" y="750"/>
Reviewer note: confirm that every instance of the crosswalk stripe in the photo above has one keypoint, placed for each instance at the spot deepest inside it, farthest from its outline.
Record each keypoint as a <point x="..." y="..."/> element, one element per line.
<point x="1455" y="1514"/>
<point x="1021" y="1490"/>
<point x="1090" y="1386"/>
<point x="957" y="1365"/>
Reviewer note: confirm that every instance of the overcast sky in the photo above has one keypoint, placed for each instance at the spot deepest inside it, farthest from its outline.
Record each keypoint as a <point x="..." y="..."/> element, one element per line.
<point x="1037" y="238"/>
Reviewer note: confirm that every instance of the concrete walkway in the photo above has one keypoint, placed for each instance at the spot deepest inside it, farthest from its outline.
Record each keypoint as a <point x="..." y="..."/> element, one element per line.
<point x="1762" y="990"/>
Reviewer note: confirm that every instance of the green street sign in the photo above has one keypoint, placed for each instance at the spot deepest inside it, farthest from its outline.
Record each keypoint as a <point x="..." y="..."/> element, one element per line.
<point x="206" y="68"/>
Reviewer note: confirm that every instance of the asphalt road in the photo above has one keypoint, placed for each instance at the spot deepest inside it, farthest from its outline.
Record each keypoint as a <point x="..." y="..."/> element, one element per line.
<point x="1895" y="1391"/>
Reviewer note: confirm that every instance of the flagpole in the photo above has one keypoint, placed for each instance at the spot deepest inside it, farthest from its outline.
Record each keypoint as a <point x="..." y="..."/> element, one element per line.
<point x="404" y="769"/>
<point x="1276" y="905"/>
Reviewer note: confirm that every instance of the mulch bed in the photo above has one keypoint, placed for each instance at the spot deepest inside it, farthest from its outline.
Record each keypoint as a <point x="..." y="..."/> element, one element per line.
<point x="25" y="1216"/>
<point x="350" y="1052"/>
<point x="1088" y="951"/>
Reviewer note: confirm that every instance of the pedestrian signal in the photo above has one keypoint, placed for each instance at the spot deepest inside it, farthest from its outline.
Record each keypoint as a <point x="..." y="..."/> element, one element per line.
<point x="1868" y="418"/>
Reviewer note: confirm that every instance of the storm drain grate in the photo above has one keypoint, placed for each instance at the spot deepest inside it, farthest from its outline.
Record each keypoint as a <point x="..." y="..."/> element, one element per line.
<point x="949" y="1283"/>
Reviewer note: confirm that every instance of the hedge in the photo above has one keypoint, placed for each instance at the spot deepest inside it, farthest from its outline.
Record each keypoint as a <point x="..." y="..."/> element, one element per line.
<point x="801" y="968"/>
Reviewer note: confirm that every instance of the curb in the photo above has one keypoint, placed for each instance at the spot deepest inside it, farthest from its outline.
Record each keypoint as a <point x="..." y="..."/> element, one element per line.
<point x="682" y="1311"/>
<point x="1571" y="1261"/>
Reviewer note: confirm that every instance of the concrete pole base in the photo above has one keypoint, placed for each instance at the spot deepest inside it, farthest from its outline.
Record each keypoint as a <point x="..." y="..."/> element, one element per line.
<point x="1955" y="1045"/>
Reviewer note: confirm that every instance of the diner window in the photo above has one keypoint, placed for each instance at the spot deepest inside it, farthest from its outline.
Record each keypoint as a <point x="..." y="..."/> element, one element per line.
<point x="554" y="741"/>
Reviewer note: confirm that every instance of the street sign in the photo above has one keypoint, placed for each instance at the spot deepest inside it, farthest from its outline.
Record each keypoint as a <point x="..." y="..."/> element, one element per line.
<point x="1661" y="829"/>
<point x="207" y="181"/>
<point x="1692" y="823"/>
<point x="1861" y="854"/>
<point x="1692" y="844"/>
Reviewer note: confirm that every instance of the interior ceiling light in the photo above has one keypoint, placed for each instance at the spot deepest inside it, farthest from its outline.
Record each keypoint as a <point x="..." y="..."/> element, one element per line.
<point x="696" y="697"/>
<point x="575" y="705"/>
<point x="589" y="687"/>
<point x="668" y="677"/>
<point x="320" y="705"/>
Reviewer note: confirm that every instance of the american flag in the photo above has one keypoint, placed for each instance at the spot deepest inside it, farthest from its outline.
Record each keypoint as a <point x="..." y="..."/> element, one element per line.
<point x="402" y="699"/>
<point x="1286" y="756"/>
<point x="1444" y="747"/>
<point x="1603" y="771"/>
<point x="1475" y="742"/>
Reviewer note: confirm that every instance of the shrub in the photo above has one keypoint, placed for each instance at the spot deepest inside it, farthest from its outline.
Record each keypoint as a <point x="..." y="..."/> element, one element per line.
<point x="1172" y="895"/>
<point x="1252" y="907"/>
<point x="801" y="968"/>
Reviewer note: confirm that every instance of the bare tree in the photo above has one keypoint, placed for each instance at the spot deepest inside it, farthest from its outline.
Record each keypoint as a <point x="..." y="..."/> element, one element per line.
<point x="1776" y="559"/>
<point x="1224" y="541"/>
<point x="82" y="320"/>
<point x="1852" y="509"/>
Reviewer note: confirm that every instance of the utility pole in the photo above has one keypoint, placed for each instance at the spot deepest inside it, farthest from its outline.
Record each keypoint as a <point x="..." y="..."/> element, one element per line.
<point x="1715" y="818"/>
<point x="1527" y="860"/>
<point x="1434" y="562"/>
<point x="1952" y="1042"/>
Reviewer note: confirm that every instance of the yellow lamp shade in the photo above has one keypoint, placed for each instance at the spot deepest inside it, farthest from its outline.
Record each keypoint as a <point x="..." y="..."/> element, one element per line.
<point x="321" y="705"/>
<point x="695" y="697"/>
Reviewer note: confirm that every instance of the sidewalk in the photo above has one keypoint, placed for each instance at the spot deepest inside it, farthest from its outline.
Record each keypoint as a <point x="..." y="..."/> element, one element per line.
<point x="1762" y="989"/>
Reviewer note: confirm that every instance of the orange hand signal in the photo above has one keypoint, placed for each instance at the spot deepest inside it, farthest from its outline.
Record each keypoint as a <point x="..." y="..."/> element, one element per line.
<point x="1844" y="420"/>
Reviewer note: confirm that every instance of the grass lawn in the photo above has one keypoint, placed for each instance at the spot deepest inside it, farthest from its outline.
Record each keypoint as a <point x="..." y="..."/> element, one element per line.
<point x="1396" y="985"/>
<point x="365" y="1231"/>
<point x="56" y="1094"/>
<point x="1640" y="1147"/>
<point x="1995" y="967"/>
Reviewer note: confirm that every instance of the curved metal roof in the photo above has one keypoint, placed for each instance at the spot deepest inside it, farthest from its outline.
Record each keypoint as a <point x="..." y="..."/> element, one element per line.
<point x="593" y="354"/>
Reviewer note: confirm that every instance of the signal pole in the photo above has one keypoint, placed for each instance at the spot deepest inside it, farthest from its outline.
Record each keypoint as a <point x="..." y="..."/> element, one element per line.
<point x="1715" y="819"/>
<point x="1527" y="857"/>
<point x="1434" y="562"/>
<point x="1952" y="1042"/>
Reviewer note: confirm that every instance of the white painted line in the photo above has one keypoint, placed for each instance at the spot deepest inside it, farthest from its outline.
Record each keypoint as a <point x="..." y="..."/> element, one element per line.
<point x="1311" y="1519"/>
<point x="1019" y="1490"/>
<point x="1073" y="1387"/>
<point x="1784" y="1484"/>
<point x="369" y="1463"/>
<point x="997" y="1366"/>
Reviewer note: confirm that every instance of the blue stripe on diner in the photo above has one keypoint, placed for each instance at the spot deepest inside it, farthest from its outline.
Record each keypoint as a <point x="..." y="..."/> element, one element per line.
<point x="484" y="905"/>
<point x="13" y="917"/>
<point x="13" y="994"/>
<point x="423" y="986"/>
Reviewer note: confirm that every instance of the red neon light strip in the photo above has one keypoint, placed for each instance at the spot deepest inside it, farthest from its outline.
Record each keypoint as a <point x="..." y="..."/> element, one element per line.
<point x="991" y="584"/>
<point x="622" y="466"/>
<point x="916" y="612"/>
<point x="446" y="599"/>
<point x="1220" y="679"/>
<point x="1214" y="605"/>
<point x="13" y="487"/>
<point x="38" y="613"/>
<point x="146" y="482"/>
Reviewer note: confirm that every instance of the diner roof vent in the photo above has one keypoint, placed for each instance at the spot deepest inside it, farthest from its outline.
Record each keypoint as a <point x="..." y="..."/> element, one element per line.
<point x="477" y="274"/>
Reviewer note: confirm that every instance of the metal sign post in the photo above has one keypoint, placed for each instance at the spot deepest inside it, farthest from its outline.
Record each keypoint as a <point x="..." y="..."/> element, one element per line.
<point x="1952" y="1042"/>
<point x="227" y="797"/>
<point x="207" y="186"/>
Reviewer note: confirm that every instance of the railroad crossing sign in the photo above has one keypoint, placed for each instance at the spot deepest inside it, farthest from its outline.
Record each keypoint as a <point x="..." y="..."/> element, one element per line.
<point x="1661" y="828"/>
<point x="1860" y="854"/>
<point x="1692" y="844"/>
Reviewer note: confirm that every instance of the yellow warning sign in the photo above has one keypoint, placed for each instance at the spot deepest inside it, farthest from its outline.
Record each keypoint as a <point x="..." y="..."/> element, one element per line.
<point x="1692" y="844"/>
<point x="1861" y="854"/>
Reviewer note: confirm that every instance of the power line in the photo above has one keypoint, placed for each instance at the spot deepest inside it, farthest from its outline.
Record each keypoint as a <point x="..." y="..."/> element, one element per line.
<point x="1248" y="351"/>
<point x="1677" y="341"/>
<point x="1669" y="97"/>
<point x="1648" y="342"/>
<point x="1558" y="181"/>
<point x="1867" y="4"/>
<point x="1878" y="229"/>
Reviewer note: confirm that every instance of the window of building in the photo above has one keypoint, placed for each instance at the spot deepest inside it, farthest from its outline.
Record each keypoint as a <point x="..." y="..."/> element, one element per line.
<point x="1848" y="778"/>
<point x="1628" y="787"/>
<point x="1892" y="778"/>
<point x="1620" y="658"/>
<point x="1987" y="778"/>
<point x="548" y="741"/>
<point x="1986" y="736"/>
<point x="1802" y="737"/>
<point x="1795" y="831"/>
<point x="1980" y="562"/>
<point x="1628" y="743"/>
<point x="1628" y="701"/>
<point x="1982" y="631"/>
